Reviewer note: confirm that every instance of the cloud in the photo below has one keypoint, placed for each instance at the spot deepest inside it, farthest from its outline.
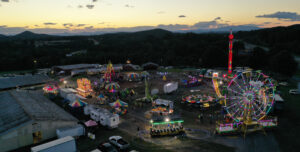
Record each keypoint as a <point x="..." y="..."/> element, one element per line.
<point x="161" y="12"/>
<point x="68" y="25"/>
<point x="80" y="6"/>
<point x="90" y="6"/>
<point x="36" y="25"/>
<point x="215" y="24"/>
<point x="49" y="23"/>
<point x="217" y="18"/>
<point x="209" y="24"/>
<point x="286" y="16"/>
<point x="101" y="23"/>
<point x="89" y="27"/>
<point x="129" y="6"/>
<point x="173" y="27"/>
<point x="4" y="0"/>
<point x="181" y="16"/>
<point x="79" y="25"/>
<point x="95" y="0"/>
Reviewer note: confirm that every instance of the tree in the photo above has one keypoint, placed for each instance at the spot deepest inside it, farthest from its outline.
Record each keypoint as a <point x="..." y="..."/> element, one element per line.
<point x="284" y="63"/>
<point x="258" y="58"/>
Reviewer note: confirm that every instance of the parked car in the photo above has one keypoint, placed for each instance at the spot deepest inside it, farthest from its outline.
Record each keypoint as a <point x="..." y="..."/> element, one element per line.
<point x="283" y="83"/>
<point x="107" y="147"/>
<point x="294" y="91"/>
<point x="119" y="142"/>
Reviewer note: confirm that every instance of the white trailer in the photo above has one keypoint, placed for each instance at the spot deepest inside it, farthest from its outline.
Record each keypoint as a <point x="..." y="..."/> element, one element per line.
<point x="74" y="131"/>
<point x="63" y="92"/>
<point x="66" y="144"/>
<point x="170" y="87"/>
<point x="164" y="102"/>
<point x="103" y="116"/>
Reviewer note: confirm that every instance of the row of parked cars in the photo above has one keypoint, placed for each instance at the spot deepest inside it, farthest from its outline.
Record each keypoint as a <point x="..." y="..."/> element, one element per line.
<point x="114" y="144"/>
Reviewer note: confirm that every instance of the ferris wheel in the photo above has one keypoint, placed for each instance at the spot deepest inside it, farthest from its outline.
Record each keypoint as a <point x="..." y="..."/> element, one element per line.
<point x="250" y="96"/>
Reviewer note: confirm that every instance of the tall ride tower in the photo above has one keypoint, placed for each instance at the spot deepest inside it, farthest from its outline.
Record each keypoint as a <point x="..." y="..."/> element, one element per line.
<point x="230" y="54"/>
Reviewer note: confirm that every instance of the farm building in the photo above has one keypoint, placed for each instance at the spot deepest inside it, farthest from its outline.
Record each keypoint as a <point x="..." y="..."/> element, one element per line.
<point x="67" y="69"/>
<point x="27" y="117"/>
<point x="22" y="81"/>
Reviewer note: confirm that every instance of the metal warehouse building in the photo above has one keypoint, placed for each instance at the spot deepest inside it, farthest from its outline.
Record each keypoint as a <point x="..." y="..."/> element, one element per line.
<point x="27" y="117"/>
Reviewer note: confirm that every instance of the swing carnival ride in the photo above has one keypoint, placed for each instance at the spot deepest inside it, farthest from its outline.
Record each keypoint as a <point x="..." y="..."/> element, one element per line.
<point x="248" y="101"/>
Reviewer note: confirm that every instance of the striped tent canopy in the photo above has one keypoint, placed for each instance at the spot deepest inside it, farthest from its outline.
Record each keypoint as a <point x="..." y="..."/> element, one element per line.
<point x="133" y="75"/>
<point x="112" y="87"/>
<point x="77" y="103"/>
<point x="118" y="104"/>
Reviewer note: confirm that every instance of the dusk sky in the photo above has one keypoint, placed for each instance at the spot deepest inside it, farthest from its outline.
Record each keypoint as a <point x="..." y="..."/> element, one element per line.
<point x="73" y="16"/>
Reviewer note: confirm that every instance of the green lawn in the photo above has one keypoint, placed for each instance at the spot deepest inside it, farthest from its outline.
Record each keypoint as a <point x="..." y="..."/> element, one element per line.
<point x="288" y="131"/>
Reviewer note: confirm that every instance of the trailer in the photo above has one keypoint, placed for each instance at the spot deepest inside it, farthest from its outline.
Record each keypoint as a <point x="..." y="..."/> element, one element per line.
<point x="66" y="144"/>
<point x="63" y="92"/>
<point x="102" y="116"/>
<point x="74" y="131"/>
<point x="170" y="87"/>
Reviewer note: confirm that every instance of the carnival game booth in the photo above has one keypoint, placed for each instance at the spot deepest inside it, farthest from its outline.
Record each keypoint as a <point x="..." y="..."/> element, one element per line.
<point x="166" y="127"/>
<point x="203" y="101"/>
<point x="191" y="81"/>
<point x="102" y="99"/>
<point x="84" y="87"/>
<point x="162" y="107"/>
<point x="119" y="107"/>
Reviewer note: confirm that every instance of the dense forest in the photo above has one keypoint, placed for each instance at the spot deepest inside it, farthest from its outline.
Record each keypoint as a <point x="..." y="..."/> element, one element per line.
<point x="160" y="46"/>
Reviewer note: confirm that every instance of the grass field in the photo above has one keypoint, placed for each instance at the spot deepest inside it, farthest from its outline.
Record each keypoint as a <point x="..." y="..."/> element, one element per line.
<point x="288" y="131"/>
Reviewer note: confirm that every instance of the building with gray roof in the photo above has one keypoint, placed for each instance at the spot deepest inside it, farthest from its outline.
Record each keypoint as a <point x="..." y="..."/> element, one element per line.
<point x="67" y="69"/>
<point x="22" y="80"/>
<point x="27" y="117"/>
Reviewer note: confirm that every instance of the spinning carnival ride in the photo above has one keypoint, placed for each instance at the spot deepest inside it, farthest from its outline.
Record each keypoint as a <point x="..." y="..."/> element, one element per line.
<point x="249" y="98"/>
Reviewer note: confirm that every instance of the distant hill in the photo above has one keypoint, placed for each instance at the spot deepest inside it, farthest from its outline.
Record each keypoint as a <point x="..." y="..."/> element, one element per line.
<point x="30" y="35"/>
<point x="283" y="38"/>
<point x="2" y="36"/>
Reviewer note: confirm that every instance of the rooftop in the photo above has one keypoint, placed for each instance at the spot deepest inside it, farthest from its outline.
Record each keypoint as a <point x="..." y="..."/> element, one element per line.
<point x="19" y="107"/>
<point x="77" y="66"/>
<point x="22" y="80"/>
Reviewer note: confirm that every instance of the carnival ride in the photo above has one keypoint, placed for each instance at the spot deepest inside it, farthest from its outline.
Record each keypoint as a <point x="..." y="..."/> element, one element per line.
<point x="204" y="101"/>
<point x="109" y="73"/>
<point x="166" y="127"/>
<point x="230" y="54"/>
<point x="84" y="87"/>
<point x="248" y="101"/>
<point x="51" y="88"/>
<point x="191" y="81"/>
